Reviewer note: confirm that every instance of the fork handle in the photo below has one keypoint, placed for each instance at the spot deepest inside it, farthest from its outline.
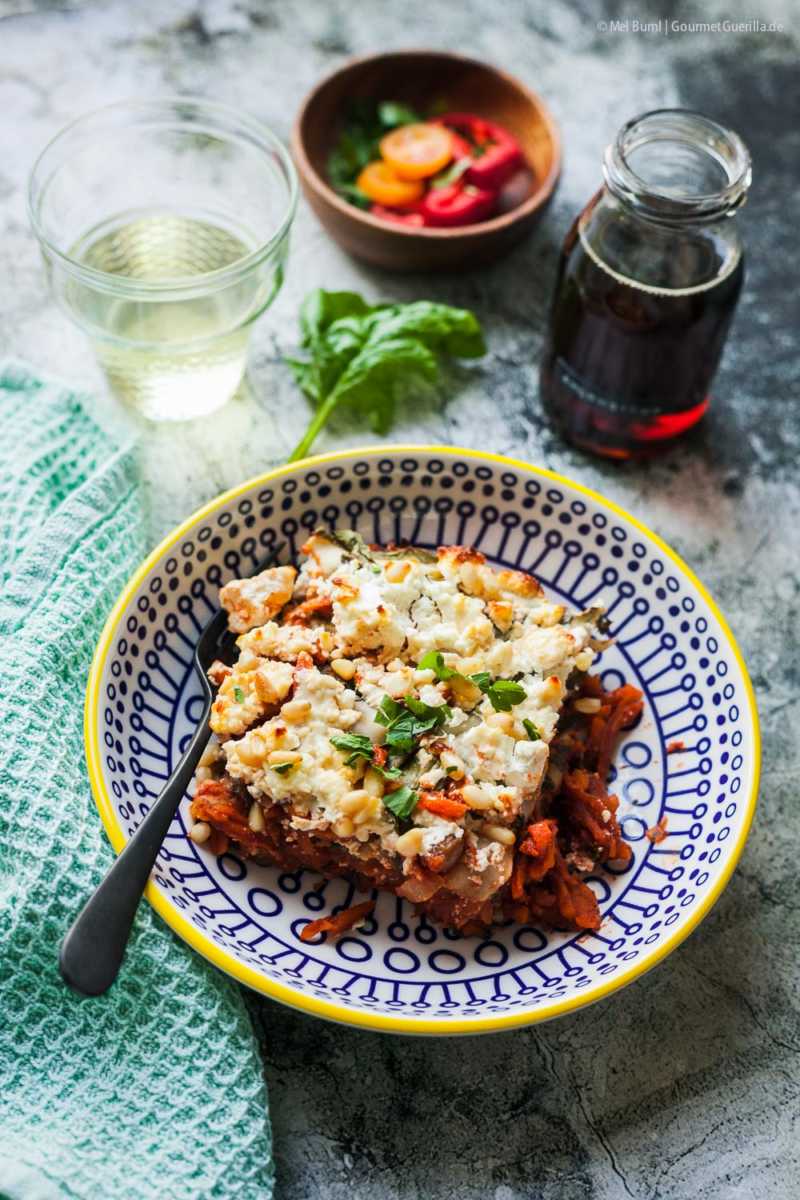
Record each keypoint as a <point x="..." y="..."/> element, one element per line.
<point x="93" y="949"/>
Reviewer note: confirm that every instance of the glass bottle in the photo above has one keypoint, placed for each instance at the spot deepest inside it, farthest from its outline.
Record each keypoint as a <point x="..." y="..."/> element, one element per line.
<point x="648" y="281"/>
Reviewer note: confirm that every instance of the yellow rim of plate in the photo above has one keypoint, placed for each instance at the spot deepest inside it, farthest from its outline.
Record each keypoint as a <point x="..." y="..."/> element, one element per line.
<point x="323" y="1008"/>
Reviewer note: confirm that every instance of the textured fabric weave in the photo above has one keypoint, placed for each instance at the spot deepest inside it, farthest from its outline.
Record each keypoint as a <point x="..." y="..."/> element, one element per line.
<point x="155" y="1089"/>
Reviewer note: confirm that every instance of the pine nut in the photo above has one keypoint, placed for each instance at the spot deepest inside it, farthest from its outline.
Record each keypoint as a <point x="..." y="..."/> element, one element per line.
<point x="210" y="754"/>
<point x="344" y="668"/>
<point x="397" y="571"/>
<point x="373" y="784"/>
<point x="200" y="832"/>
<point x="475" y="797"/>
<point x="498" y="834"/>
<point x="251" y="750"/>
<point x="502" y="721"/>
<point x="255" y="818"/>
<point x="588" y="704"/>
<point x="296" y="710"/>
<point x="353" y="801"/>
<point x="452" y="764"/>
<point x="420" y="678"/>
<point x="343" y="827"/>
<point x="368" y="811"/>
<point x="276" y="757"/>
<point x="409" y="844"/>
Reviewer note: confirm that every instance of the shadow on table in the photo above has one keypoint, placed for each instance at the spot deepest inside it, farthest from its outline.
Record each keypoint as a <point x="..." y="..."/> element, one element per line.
<point x="639" y="1096"/>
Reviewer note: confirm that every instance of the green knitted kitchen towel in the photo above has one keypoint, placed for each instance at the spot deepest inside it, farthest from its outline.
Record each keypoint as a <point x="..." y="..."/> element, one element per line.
<point x="156" y="1089"/>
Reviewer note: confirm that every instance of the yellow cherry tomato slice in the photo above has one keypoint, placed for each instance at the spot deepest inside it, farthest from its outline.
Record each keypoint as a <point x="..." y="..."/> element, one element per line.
<point x="381" y="184"/>
<point x="417" y="151"/>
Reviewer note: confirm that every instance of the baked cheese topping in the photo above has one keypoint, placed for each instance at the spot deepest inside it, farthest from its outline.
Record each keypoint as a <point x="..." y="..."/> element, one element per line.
<point x="403" y="700"/>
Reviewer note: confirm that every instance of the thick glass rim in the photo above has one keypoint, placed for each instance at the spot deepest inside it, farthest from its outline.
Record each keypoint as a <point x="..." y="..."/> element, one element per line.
<point x="661" y="203"/>
<point x="230" y="124"/>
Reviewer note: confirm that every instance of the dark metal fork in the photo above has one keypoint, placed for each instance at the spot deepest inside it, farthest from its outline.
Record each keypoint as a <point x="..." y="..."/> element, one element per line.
<point x="93" y="949"/>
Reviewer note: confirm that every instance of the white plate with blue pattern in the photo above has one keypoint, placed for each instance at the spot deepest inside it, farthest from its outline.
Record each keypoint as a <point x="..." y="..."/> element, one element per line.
<point x="398" y="972"/>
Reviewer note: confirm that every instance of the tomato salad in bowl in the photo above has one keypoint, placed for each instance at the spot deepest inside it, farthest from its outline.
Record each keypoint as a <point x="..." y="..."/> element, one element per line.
<point x="444" y="171"/>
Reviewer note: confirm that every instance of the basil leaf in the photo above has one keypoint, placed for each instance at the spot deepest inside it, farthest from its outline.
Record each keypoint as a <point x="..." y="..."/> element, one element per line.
<point x="407" y="722"/>
<point x="483" y="679"/>
<point x="387" y="772"/>
<point x="434" y="661"/>
<point x="401" y="802"/>
<point x="531" y="730"/>
<point x="504" y="694"/>
<point x="402" y="733"/>
<point x="238" y="695"/>
<point x="388" y="710"/>
<point x="364" y="355"/>
<point x="439" y="713"/>
<point x="283" y="768"/>
<point x="391" y="114"/>
<point x="355" y="745"/>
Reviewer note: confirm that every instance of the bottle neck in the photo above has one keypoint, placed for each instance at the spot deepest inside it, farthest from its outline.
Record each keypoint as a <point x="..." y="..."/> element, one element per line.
<point x="674" y="167"/>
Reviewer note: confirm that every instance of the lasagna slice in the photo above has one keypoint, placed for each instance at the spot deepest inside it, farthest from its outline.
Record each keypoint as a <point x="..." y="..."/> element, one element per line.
<point x="391" y="718"/>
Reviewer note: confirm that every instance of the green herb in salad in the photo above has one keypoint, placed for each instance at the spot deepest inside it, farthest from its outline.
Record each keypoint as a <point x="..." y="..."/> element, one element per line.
<point x="238" y="695"/>
<point x="531" y="730"/>
<point x="362" y="354"/>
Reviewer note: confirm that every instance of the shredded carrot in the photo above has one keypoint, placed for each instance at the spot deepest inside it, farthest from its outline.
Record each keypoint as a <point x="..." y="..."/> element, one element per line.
<point x="338" y="923"/>
<point x="657" y="832"/>
<point x="540" y="846"/>
<point x="441" y="806"/>
<point x="380" y="756"/>
<point x="315" y="606"/>
<point x="518" y="878"/>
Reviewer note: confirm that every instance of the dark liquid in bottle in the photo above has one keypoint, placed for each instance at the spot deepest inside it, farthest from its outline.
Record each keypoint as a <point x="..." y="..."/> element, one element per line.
<point x="627" y="367"/>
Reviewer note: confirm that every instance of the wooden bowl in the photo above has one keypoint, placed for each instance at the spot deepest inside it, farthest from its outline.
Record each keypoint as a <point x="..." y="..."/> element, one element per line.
<point x="422" y="78"/>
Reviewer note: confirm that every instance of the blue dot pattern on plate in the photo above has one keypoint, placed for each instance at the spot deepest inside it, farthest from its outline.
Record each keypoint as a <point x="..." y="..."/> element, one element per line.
<point x="667" y="642"/>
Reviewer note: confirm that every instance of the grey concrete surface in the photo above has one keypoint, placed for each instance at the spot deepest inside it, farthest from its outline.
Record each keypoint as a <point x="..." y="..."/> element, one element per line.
<point x="686" y="1084"/>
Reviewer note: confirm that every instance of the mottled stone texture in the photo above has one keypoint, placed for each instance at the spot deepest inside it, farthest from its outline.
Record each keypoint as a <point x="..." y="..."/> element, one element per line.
<point x="686" y="1084"/>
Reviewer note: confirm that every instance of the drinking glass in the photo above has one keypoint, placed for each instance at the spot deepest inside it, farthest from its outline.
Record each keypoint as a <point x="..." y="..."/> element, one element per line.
<point x="164" y="227"/>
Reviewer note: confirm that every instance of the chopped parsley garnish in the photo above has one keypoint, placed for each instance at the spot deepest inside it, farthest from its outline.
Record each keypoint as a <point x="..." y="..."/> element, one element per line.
<point x="409" y="720"/>
<point x="283" y="768"/>
<point x="401" y="802"/>
<point x="238" y="695"/>
<point x="531" y="730"/>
